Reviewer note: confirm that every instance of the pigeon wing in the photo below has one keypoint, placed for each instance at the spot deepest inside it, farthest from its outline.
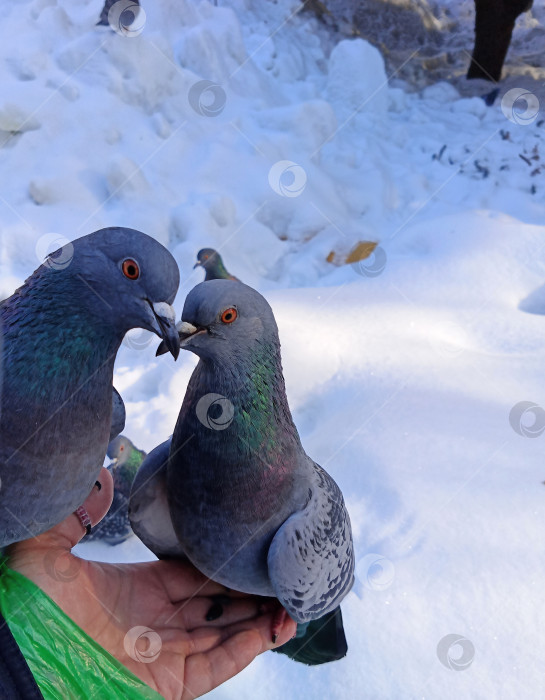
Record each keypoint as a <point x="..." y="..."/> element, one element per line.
<point x="149" y="512"/>
<point x="118" y="415"/>
<point x="311" y="558"/>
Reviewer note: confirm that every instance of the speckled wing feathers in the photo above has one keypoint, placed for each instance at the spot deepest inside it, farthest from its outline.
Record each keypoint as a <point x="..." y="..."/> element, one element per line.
<point x="311" y="560"/>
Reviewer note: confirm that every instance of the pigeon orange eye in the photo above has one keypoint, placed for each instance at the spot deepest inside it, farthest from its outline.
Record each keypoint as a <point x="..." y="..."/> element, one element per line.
<point x="130" y="269"/>
<point x="229" y="315"/>
<point x="205" y="257"/>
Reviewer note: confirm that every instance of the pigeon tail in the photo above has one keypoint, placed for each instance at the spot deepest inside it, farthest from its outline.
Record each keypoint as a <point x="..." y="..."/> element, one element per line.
<point x="319" y="641"/>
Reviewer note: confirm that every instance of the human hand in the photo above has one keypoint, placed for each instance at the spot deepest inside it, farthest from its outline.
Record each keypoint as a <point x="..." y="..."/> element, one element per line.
<point x="191" y="654"/>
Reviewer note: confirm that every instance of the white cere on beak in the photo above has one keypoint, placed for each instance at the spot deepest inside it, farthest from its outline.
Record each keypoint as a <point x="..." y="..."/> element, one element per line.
<point x="186" y="328"/>
<point x="164" y="310"/>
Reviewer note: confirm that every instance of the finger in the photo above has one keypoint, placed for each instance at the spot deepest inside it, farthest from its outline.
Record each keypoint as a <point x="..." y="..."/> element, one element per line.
<point x="96" y="504"/>
<point x="204" y="639"/>
<point x="215" y="611"/>
<point x="70" y="531"/>
<point x="206" y="670"/>
<point x="263" y="625"/>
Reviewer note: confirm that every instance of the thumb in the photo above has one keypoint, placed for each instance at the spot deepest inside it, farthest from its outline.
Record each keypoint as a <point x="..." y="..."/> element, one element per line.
<point x="93" y="509"/>
<point x="59" y="540"/>
<point x="71" y="530"/>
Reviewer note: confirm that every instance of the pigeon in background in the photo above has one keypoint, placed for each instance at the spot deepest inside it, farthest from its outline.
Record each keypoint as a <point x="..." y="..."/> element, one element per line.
<point x="211" y="261"/>
<point x="61" y="332"/>
<point x="233" y="490"/>
<point x="115" y="527"/>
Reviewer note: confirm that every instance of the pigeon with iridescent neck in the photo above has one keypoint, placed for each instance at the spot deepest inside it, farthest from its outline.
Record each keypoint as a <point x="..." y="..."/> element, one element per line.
<point x="210" y="260"/>
<point x="234" y="490"/>
<point x="61" y="331"/>
<point x="126" y="458"/>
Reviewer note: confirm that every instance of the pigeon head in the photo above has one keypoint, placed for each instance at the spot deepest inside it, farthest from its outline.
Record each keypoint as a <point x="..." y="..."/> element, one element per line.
<point x="210" y="260"/>
<point x="207" y="257"/>
<point x="224" y="319"/>
<point x="123" y="278"/>
<point x="119" y="448"/>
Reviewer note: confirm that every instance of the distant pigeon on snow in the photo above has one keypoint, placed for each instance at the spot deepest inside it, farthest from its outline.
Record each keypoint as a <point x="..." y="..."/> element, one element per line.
<point x="61" y="331"/>
<point x="115" y="527"/>
<point x="234" y="490"/>
<point x="211" y="261"/>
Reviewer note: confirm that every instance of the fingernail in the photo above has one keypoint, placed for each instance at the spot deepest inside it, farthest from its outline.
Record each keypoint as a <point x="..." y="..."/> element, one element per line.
<point x="215" y="611"/>
<point x="83" y="516"/>
<point x="98" y="485"/>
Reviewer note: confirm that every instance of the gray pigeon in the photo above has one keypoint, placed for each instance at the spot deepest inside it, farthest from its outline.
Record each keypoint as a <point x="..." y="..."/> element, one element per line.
<point x="234" y="490"/>
<point x="212" y="264"/>
<point x="61" y="332"/>
<point x="126" y="458"/>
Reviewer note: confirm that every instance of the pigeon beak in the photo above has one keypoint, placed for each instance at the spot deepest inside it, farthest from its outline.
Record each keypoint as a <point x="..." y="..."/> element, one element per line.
<point x="164" y="316"/>
<point x="185" y="331"/>
<point x="197" y="264"/>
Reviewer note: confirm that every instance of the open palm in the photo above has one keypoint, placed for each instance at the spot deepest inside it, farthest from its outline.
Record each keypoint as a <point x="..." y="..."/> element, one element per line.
<point x="179" y="632"/>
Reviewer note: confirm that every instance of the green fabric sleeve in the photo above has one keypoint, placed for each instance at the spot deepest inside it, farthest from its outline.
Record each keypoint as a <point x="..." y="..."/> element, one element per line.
<point x="65" y="662"/>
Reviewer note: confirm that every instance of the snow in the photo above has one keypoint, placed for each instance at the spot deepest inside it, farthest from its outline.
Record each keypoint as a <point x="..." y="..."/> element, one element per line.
<point x="406" y="372"/>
